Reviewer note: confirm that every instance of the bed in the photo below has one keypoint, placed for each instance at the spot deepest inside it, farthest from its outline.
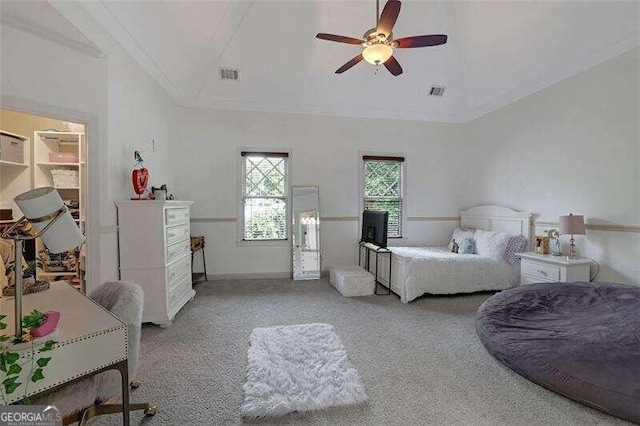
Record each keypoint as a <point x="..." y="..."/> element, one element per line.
<point x="435" y="270"/>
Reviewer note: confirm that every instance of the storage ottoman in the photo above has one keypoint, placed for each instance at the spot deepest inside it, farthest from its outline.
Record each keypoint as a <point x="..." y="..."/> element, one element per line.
<point x="352" y="281"/>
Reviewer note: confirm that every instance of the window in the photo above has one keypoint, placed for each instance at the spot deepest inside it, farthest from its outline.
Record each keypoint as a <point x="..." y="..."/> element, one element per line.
<point x="383" y="189"/>
<point x="265" y="191"/>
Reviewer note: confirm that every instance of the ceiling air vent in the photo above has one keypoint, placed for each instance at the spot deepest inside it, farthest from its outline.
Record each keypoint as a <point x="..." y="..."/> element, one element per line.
<point x="436" y="91"/>
<point x="228" y="74"/>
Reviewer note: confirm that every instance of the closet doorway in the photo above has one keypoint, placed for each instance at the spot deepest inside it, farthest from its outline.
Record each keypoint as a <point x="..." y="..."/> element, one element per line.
<point x="37" y="152"/>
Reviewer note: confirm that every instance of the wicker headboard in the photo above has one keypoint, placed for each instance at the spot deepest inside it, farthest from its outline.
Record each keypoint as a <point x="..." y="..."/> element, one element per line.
<point x="499" y="219"/>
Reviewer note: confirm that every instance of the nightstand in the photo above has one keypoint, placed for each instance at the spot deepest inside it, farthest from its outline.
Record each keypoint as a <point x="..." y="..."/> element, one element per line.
<point x="540" y="268"/>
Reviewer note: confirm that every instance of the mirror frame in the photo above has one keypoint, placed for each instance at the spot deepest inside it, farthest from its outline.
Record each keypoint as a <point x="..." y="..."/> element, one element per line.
<point x="293" y="241"/>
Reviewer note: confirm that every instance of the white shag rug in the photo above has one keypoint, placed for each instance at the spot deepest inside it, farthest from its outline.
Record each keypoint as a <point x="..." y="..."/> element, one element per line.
<point x="298" y="368"/>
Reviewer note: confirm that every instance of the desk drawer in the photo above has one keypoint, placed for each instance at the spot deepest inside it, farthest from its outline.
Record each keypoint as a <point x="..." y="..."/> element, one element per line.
<point x="541" y="271"/>
<point x="178" y="291"/>
<point x="177" y="233"/>
<point x="176" y="216"/>
<point x="178" y="269"/>
<point x="178" y="249"/>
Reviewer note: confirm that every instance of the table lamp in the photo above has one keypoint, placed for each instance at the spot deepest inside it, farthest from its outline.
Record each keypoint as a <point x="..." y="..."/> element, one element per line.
<point x="573" y="225"/>
<point x="53" y="224"/>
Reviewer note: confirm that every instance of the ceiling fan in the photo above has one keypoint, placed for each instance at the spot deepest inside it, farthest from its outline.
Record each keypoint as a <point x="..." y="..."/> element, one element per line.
<point x="378" y="42"/>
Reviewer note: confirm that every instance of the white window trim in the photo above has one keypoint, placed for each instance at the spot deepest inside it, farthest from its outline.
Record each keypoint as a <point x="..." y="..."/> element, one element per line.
<point x="240" y="206"/>
<point x="391" y="241"/>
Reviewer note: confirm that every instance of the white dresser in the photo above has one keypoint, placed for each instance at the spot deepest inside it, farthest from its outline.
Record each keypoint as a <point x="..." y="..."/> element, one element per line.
<point x="155" y="252"/>
<point x="540" y="268"/>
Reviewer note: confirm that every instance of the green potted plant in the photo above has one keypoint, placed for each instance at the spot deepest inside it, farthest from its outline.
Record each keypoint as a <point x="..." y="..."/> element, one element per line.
<point x="20" y="355"/>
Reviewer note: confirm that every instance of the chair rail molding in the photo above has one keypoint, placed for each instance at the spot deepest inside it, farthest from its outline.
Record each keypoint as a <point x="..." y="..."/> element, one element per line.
<point x="109" y="229"/>
<point x="536" y="223"/>
<point x="614" y="227"/>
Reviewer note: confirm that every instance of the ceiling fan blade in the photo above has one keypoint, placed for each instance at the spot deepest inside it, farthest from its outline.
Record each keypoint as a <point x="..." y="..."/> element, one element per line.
<point x="393" y="66"/>
<point x="349" y="64"/>
<point x="421" y="41"/>
<point x="388" y="17"/>
<point x="339" y="39"/>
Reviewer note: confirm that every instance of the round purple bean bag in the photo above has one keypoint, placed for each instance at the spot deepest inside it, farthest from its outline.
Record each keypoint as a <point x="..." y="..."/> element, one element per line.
<point x="581" y="340"/>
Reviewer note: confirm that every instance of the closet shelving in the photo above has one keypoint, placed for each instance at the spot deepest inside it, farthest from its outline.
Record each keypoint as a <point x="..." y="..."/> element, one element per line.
<point x="50" y="146"/>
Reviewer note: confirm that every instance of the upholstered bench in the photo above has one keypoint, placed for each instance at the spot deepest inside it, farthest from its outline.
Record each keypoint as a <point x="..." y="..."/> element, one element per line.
<point x="352" y="281"/>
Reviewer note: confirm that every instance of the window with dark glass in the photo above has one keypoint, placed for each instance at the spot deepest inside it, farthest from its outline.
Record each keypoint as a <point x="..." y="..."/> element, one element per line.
<point x="383" y="189"/>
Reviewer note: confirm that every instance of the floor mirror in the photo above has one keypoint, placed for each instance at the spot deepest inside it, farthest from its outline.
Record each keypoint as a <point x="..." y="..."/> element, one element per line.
<point x="306" y="232"/>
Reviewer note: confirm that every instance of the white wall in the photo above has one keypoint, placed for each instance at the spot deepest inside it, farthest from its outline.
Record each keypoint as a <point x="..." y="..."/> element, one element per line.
<point x="130" y="108"/>
<point x="573" y="147"/>
<point x="324" y="153"/>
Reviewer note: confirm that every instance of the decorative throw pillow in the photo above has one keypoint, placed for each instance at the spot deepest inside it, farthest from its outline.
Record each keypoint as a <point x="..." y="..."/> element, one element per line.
<point x="516" y="245"/>
<point x="459" y="234"/>
<point x="491" y="244"/>
<point x="467" y="246"/>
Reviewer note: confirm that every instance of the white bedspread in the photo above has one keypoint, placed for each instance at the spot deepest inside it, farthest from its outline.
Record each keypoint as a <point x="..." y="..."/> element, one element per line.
<point x="435" y="270"/>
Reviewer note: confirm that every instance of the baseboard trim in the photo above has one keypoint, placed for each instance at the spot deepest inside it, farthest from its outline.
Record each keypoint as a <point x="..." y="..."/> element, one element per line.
<point x="254" y="276"/>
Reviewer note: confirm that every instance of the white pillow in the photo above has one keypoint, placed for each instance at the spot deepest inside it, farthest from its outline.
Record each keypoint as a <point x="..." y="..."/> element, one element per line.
<point x="491" y="244"/>
<point x="459" y="234"/>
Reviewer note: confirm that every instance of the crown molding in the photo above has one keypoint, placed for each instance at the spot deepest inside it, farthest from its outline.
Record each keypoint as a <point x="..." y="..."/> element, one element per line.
<point x="101" y="13"/>
<point x="187" y="97"/>
<point x="217" y="45"/>
<point x="258" y="106"/>
<point x="44" y="33"/>
<point x="553" y="76"/>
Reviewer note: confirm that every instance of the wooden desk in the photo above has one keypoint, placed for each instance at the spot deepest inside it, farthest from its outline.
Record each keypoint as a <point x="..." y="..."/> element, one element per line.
<point x="89" y="339"/>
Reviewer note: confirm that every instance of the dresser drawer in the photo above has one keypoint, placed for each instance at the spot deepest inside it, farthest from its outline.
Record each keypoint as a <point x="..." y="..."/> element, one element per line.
<point x="176" y="216"/>
<point x="533" y="279"/>
<point x="177" y="292"/>
<point x="177" y="233"/>
<point x="541" y="271"/>
<point x="178" y="269"/>
<point x="178" y="249"/>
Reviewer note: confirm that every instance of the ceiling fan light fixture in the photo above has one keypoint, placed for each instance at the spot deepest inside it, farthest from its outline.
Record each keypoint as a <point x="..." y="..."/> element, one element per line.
<point x="378" y="42"/>
<point x="377" y="54"/>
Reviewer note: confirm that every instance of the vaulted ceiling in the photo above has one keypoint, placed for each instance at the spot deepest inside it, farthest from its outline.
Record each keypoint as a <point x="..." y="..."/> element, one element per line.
<point x="497" y="52"/>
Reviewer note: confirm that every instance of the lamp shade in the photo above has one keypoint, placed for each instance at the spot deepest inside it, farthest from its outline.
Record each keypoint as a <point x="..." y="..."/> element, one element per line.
<point x="39" y="206"/>
<point x="572" y="224"/>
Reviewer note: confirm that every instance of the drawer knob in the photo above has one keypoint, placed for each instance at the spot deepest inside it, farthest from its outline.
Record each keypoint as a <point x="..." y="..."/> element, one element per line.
<point x="542" y="271"/>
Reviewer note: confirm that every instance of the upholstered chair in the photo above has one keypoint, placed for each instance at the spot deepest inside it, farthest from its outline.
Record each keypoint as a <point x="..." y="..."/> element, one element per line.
<point x="85" y="399"/>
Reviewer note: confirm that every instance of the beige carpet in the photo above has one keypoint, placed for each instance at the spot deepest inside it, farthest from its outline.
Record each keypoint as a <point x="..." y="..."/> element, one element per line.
<point x="421" y="363"/>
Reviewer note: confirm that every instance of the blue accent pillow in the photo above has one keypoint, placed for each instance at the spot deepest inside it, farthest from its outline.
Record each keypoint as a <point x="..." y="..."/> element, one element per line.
<point x="467" y="246"/>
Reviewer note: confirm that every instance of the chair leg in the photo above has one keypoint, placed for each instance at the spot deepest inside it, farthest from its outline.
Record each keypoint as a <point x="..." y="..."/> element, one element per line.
<point x="204" y="264"/>
<point x="98" y="410"/>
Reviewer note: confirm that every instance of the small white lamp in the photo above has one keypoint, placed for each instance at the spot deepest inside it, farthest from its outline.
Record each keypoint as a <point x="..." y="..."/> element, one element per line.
<point x="53" y="223"/>
<point x="572" y="224"/>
